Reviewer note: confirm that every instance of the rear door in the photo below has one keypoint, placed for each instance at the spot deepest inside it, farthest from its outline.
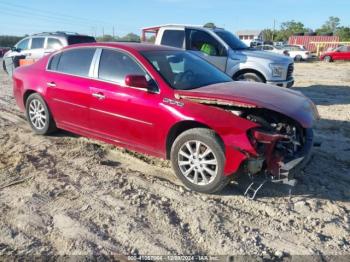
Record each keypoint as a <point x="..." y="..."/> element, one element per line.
<point x="68" y="83"/>
<point x="206" y="46"/>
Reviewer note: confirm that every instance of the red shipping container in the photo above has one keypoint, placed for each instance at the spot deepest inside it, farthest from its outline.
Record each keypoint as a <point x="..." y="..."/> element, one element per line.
<point x="306" y="40"/>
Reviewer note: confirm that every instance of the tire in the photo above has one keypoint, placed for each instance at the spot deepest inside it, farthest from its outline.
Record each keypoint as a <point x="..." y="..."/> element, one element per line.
<point x="251" y="77"/>
<point x="298" y="58"/>
<point x="210" y="177"/>
<point x="39" y="115"/>
<point x="4" y="66"/>
<point x="327" y="59"/>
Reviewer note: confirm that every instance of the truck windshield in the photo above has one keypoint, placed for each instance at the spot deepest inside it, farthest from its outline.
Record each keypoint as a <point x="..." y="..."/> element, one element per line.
<point x="183" y="70"/>
<point x="233" y="41"/>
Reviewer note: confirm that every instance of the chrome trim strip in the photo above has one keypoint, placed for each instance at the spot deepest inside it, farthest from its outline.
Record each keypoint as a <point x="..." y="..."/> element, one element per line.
<point x="69" y="103"/>
<point x="122" y="116"/>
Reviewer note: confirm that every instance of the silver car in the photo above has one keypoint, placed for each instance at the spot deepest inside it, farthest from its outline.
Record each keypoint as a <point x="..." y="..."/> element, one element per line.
<point x="38" y="45"/>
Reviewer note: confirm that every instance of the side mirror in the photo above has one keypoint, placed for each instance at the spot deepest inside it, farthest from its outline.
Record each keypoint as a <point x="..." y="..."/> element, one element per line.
<point x="14" y="49"/>
<point x="138" y="81"/>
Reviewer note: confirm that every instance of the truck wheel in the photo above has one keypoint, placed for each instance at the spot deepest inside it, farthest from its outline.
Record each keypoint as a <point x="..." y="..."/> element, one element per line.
<point x="198" y="159"/>
<point x="327" y="58"/>
<point x="4" y="67"/>
<point x="39" y="115"/>
<point x="298" y="58"/>
<point x="251" y="77"/>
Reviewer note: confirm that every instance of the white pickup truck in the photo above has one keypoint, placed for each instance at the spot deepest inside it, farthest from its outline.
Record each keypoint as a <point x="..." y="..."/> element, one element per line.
<point x="227" y="52"/>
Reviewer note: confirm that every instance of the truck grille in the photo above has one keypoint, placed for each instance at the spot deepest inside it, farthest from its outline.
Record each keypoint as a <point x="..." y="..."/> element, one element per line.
<point x="290" y="71"/>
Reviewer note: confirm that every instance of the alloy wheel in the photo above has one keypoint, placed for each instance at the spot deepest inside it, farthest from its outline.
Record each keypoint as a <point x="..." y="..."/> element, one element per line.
<point x="37" y="114"/>
<point x="197" y="162"/>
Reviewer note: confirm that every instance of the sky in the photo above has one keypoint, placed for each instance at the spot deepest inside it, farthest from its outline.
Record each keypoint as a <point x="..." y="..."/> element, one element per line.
<point x="18" y="17"/>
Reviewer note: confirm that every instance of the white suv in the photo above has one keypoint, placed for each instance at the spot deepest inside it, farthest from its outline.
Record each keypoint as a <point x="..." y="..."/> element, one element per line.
<point x="38" y="45"/>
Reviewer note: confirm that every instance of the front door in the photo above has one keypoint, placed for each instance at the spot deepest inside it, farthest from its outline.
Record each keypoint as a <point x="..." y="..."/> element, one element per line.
<point x="207" y="47"/>
<point x="118" y="112"/>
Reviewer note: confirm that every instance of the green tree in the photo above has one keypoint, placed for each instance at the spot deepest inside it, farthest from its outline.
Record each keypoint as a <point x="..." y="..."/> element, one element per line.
<point x="210" y="25"/>
<point x="268" y="35"/>
<point x="106" y="38"/>
<point x="9" y="40"/>
<point x="131" y="37"/>
<point x="332" y="24"/>
<point x="343" y="33"/>
<point x="289" y="28"/>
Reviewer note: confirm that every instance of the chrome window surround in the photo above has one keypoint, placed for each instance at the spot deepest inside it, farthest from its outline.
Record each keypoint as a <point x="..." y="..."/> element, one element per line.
<point x="94" y="66"/>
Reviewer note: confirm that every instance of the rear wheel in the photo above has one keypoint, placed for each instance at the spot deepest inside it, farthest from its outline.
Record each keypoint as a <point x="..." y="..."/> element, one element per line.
<point x="327" y="58"/>
<point x="39" y="115"/>
<point x="198" y="159"/>
<point x="251" y="77"/>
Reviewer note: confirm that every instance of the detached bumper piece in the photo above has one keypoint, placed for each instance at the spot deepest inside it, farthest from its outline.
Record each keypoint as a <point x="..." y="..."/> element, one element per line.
<point x="290" y="169"/>
<point x="279" y="170"/>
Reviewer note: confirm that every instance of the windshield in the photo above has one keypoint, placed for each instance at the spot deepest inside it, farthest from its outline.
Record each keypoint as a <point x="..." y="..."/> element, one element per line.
<point x="233" y="41"/>
<point x="183" y="70"/>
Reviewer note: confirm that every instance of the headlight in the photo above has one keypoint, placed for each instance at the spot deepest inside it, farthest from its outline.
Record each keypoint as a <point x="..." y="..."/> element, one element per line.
<point x="277" y="70"/>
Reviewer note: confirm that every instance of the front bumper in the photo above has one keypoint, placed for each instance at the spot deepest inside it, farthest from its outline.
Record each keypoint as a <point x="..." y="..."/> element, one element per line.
<point x="286" y="83"/>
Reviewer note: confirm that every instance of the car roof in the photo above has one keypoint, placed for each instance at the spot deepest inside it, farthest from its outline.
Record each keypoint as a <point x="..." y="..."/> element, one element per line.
<point x="58" y="33"/>
<point x="129" y="46"/>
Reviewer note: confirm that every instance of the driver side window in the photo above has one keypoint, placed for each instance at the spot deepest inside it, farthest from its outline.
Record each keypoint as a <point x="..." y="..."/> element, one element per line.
<point x="198" y="40"/>
<point x="23" y="45"/>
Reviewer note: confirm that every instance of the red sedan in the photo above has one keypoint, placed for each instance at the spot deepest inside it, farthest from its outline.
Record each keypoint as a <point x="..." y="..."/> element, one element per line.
<point x="340" y="53"/>
<point x="169" y="103"/>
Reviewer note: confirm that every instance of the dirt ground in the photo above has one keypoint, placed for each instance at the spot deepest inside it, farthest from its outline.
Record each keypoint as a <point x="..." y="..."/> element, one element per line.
<point x="68" y="195"/>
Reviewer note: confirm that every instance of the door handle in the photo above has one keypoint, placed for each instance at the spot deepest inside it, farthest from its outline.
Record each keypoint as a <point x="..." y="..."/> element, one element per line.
<point x="51" y="84"/>
<point x="100" y="96"/>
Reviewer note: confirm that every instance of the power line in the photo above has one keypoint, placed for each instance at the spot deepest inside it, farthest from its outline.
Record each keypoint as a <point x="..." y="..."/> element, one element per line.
<point x="59" y="15"/>
<point x="39" y="17"/>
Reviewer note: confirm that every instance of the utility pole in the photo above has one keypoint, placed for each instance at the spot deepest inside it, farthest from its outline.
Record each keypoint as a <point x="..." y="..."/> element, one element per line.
<point x="103" y="31"/>
<point x="274" y="29"/>
<point x="113" y="32"/>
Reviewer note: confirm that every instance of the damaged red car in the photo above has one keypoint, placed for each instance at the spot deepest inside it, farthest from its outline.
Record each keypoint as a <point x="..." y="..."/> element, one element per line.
<point x="169" y="103"/>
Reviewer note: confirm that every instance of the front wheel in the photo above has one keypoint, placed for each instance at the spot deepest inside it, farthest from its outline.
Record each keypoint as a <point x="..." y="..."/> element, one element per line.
<point x="250" y="77"/>
<point x="198" y="159"/>
<point x="39" y="115"/>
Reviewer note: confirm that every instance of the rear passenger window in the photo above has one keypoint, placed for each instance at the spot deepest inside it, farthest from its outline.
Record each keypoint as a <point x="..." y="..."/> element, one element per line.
<point x="53" y="43"/>
<point x="173" y="38"/>
<point x="75" y="62"/>
<point x="38" y="42"/>
<point x="54" y="62"/>
<point x="115" y="66"/>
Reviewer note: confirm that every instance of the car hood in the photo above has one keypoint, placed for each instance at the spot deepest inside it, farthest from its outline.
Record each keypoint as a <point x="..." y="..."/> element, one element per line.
<point x="272" y="57"/>
<point x="249" y="95"/>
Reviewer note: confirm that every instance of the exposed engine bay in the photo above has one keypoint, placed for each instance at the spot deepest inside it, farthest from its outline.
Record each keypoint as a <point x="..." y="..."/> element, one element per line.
<point x="278" y="140"/>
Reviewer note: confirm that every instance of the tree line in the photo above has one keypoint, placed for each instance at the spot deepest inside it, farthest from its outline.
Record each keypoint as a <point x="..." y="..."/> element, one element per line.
<point x="331" y="27"/>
